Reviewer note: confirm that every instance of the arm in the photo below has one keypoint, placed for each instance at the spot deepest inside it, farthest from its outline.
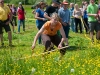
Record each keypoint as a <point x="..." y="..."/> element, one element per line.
<point x="33" y="12"/>
<point x="46" y="16"/>
<point x="63" y="37"/>
<point x="59" y="14"/>
<point x="73" y="13"/>
<point x="37" y="17"/>
<point x="92" y="15"/>
<point x="10" y="18"/>
<point x="69" y="18"/>
<point x="37" y="36"/>
<point x="48" y="9"/>
<point x="25" y="12"/>
<point x="89" y="14"/>
<point x="17" y="11"/>
<point x="81" y="13"/>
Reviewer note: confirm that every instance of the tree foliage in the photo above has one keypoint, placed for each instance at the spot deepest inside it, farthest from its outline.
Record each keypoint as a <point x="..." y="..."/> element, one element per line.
<point x="47" y="1"/>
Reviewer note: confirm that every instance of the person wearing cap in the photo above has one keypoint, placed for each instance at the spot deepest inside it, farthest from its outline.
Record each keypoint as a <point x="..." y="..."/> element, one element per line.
<point x="20" y="3"/>
<point x="92" y="10"/>
<point x="51" y="9"/>
<point x="21" y="16"/>
<point x="64" y="14"/>
<point x="4" y="22"/>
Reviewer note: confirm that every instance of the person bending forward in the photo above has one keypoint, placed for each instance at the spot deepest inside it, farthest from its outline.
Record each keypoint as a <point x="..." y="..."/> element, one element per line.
<point x="48" y="33"/>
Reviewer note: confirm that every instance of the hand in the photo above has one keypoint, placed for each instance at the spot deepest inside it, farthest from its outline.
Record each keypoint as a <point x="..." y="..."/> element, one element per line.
<point x="7" y="23"/>
<point x="33" y="46"/>
<point x="78" y="17"/>
<point x="95" y="15"/>
<point x="60" y="45"/>
<point x="64" y="24"/>
<point x="44" y="19"/>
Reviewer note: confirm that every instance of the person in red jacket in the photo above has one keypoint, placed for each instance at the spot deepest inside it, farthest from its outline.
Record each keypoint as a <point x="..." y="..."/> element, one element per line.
<point x="21" y="17"/>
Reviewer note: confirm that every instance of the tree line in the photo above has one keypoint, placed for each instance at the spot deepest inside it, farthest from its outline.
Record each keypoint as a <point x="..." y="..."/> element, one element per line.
<point x="31" y="2"/>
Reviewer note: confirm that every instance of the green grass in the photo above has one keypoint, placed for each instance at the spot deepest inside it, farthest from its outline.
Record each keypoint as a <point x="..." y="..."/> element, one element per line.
<point x="82" y="56"/>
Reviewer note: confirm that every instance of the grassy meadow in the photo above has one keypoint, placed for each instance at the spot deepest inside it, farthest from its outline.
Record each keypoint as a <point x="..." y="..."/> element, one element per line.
<point x="82" y="58"/>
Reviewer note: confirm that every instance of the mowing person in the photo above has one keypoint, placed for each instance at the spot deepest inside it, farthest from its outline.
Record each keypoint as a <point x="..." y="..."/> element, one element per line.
<point x="51" y="9"/>
<point x="48" y="34"/>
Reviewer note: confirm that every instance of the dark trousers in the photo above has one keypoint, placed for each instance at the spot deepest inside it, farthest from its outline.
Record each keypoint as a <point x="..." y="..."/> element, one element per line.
<point x="66" y="30"/>
<point x="3" y="25"/>
<point x="47" y="39"/>
<point x="14" y="18"/>
<point x="78" y="22"/>
<point x="86" y="25"/>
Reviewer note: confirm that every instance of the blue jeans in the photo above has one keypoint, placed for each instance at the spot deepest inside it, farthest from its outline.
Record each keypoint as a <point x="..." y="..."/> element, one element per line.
<point x="66" y="29"/>
<point x="19" y="24"/>
<point x="39" y="25"/>
<point x="72" y="22"/>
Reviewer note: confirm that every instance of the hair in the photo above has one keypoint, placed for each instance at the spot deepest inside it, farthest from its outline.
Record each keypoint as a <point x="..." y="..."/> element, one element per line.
<point x="22" y="7"/>
<point x="42" y="3"/>
<point x="75" y="7"/>
<point x="55" y="15"/>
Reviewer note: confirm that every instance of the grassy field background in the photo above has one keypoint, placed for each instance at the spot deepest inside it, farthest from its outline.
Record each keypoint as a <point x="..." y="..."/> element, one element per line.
<point x="82" y="58"/>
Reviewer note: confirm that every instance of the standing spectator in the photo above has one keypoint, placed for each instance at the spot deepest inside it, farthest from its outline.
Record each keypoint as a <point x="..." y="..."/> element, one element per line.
<point x="77" y="14"/>
<point x="4" y="22"/>
<point x="39" y="15"/>
<point x="64" y="14"/>
<point x="92" y="10"/>
<point x="71" y="17"/>
<point x="49" y="34"/>
<point x="10" y="6"/>
<point x="98" y="18"/>
<point x="51" y="9"/>
<point x="85" y="17"/>
<point x="14" y="12"/>
<point x="21" y="16"/>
